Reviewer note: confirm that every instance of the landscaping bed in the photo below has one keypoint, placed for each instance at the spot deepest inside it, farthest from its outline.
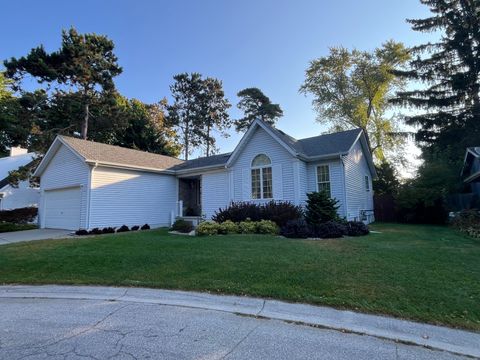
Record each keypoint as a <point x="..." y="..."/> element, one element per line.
<point x="8" y="227"/>
<point x="424" y="273"/>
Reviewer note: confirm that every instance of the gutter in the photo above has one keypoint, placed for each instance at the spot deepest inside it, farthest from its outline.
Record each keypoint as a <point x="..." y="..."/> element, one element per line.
<point x="128" y="167"/>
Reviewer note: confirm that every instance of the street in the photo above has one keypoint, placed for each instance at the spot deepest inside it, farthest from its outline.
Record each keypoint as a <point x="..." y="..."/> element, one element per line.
<point x="98" y="329"/>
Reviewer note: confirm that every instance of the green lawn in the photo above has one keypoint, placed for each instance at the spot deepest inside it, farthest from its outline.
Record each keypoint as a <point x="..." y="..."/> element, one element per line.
<point x="7" y="227"/>
<point x="424" y="273"/>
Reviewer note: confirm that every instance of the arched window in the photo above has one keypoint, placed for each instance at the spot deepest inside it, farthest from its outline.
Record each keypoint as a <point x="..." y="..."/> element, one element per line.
<point x="262" y="177"/>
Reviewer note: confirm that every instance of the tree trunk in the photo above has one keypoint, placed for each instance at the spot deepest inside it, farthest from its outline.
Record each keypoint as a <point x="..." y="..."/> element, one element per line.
<point x="208" y="140"/>
<point x="85" y="121"/>
<point x="186" y="140"/>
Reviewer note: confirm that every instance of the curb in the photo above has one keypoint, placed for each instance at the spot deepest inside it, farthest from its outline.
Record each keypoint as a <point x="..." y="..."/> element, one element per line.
<point x="412" y="333"/>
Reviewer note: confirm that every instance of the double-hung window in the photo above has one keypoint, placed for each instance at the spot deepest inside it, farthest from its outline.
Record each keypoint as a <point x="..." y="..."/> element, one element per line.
<point x="323" y="178"/>
<point x="262" y="177"/>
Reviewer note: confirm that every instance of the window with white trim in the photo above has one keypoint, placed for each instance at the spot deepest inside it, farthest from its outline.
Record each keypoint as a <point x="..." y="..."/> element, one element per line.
<point x="367" y="183"/>
<point x="262" y="177"/>
<point x="323" y="178"/>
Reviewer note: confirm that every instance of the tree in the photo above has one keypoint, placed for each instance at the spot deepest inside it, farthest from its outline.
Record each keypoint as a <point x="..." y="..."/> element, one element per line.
<point x="351" y="89"/>
<point x="450" y="70"/>
<point x="185" y="112"/>
<point x="84" y="62"/>
<point x="387" y="182"/>
<point x="214" y="113"/>
<point x="256" y="105"/>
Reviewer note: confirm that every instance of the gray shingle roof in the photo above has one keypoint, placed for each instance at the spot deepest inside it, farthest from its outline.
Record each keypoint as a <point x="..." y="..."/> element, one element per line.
<point x="214" y="160"/>
<point x="95" y="151"/>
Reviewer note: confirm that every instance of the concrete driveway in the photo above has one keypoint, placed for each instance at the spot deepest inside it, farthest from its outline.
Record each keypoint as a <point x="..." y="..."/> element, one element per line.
<point x="31" y="235"/>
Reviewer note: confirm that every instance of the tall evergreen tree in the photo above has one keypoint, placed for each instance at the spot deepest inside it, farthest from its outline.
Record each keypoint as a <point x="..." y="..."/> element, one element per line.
<point x="85" y="63"/>
<point x="256" y="105"/>
<point x="186" y="111"/>
<point x="450" y="70"/>
<point x="214" y="113"/>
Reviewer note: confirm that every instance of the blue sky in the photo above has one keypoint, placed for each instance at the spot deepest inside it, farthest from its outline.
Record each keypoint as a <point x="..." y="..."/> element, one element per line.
<point x="263" y="43"/>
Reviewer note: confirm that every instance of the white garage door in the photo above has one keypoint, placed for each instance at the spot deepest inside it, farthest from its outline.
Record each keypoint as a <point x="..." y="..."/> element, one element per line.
<point x="62" y="209"/>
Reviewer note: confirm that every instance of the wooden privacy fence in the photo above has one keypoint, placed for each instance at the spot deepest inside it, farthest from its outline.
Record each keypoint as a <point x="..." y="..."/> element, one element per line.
<point x="384" y="208"/>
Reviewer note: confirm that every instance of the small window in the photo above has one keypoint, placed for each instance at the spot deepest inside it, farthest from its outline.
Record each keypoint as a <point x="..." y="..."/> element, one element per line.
<point x="323" y="178"/>
<point x="367" y="183"/>
<point x="262" y="177"/>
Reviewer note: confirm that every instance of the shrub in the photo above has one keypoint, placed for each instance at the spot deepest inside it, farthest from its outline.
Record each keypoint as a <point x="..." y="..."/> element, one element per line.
<point x="145" y="227"/>
<point x="123" y="228"/>
<point x="267" y="227"/>
<point x="182" y="226"/>
<point x="329" y="230"/>
<point x="108" y="230"/>
<point x="19" y="216"/>
<point x="320" y="208"/>
<point x="95" y="231"/>
<point x="297" y="228"/>
<point x="468" y="221"/>
<point x="357" y="228"/>
<point x="247" y="227"/>
<point x="228" y="227"/>
<point x="135" y="228"/>
<point x="207" y="228"/>
<point x="237" y="212"/>
<point x="278" y="211"/>
<point x="81" y="232"/>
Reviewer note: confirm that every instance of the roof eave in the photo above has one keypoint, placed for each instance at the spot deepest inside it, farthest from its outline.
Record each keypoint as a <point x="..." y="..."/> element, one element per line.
<point x="472" y="177"/>
<point x="128" y="167"/>
<point x="201" y="168"/>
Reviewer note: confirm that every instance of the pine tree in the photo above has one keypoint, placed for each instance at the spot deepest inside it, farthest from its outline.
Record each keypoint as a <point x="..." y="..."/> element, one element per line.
<point x="450" y="70"/>
<point x="256" y="105"/>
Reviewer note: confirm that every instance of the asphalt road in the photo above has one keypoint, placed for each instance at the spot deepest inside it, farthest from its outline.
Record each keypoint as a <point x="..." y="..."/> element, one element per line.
<point x="98" y="329"/>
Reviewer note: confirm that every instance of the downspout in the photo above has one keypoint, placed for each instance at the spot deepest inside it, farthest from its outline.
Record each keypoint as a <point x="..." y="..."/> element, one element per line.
<point x="342" y="159"/>
<point x="89" y="194"/>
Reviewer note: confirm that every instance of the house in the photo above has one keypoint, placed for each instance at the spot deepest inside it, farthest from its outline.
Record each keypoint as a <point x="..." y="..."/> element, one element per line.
<point x="86" y="184"/>
<point x="23" y="195"/>
<point x="471" y="169"/>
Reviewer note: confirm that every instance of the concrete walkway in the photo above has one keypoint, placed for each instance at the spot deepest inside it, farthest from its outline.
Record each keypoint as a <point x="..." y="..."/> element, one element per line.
<point x="429" y="336"/>
<point x="31" y="235"/>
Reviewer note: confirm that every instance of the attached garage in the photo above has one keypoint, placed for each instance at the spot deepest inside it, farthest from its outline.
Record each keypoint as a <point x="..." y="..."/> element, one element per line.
<point x="62" y="208"/>
<point x="84" y="184"/>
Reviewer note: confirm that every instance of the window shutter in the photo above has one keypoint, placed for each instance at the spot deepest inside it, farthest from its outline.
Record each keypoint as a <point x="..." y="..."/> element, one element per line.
<point x="246" y="185"/>
<point x="277" y="180"/>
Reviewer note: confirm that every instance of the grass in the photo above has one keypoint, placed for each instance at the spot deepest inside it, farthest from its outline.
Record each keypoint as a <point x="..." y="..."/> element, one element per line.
<point x="424" y="273"/>
<point x="7" y="227"/>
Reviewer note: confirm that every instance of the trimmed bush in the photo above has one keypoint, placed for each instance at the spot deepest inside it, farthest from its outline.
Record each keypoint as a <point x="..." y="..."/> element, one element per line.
<point x="95" y="231"/>
<point x="267" y="227"/>
<point x="297" y="229"/>
<point x="81" y="232"/>
<point x="123" y="228"/>
<point x="182" y="226"/>
<point x="207" y="228"/>
<point x="145" y="227"/>
<point x="135" y="228"/>
<point x="357" y="228"/>
<point x="277" y="211"/>
<point x="321" y="208"/>
<point x="328" y="230"/>
<point x="468" y="222"/>
<point x="247" y="227"/>
<point x="108" y="230"/>
<point x="228" y="227"/>
<point x="19" y="216"/>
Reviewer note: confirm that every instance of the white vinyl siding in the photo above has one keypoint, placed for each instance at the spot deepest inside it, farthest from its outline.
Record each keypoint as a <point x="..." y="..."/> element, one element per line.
<point x="337" y="189"/>
<point x="66" y="170"/>
<point x="19" y="197"/>
<point x="215" y="192"/>
<point x="130" y="197"/>
<point x="282" y="168"/>
<point x="356" y="169"/>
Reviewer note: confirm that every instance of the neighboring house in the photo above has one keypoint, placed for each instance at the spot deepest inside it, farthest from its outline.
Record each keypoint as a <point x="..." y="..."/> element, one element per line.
<point x="23" y="195"/>
<point x="471" y="169"/>
<point x="86" y="184"/>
